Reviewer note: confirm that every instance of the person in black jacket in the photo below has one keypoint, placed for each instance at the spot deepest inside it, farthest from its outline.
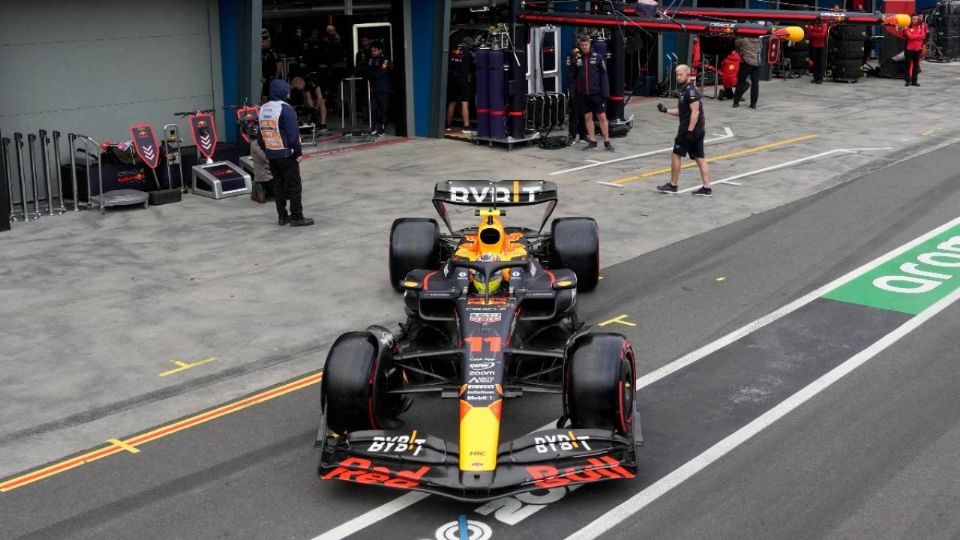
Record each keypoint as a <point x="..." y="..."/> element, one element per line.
<point x="378" y="72"/>
<point x="459" y="89"/>
<point x="575" y="125"/>
<point x="592" y="88"/>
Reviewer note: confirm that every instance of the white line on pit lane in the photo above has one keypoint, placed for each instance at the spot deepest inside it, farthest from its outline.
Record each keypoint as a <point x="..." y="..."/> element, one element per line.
<point x="386" y="510"/>
<point x="678" y="476"/>
<point x="728" y="133"/>
<point x="782" y="165"/>
<point x="379" y="513"/>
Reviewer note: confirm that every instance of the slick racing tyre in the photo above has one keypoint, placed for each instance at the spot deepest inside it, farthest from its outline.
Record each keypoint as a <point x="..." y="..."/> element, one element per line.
<point x="599" y="383"/>
<point x="356" y="379"/>
<point x="576" y="246"/>
<point x="414" y="244"/>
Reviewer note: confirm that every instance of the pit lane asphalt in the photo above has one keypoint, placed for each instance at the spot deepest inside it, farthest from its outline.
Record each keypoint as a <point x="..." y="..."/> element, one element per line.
<point x="873" y="456"/>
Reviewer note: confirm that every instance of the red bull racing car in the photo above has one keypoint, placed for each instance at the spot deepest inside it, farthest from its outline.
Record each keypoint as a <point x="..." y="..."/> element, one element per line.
<point x="491" y="316"/>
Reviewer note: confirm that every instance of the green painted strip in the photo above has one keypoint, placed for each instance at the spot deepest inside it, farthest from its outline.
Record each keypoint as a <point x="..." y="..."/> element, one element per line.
<point x="911" y="281"/>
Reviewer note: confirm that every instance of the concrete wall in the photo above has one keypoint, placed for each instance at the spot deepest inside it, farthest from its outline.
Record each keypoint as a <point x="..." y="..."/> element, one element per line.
<point x="98" y="67"/>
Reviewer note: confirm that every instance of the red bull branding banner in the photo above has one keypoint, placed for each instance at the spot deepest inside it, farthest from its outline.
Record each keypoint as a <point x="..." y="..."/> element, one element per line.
<point x="204" y="134"/>
<point x="145" y="143"/>
<point x="246" y="116"/>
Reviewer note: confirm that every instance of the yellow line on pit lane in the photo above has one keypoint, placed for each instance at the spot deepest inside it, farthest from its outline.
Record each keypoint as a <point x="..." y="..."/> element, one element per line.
<point x="183" y="366"/>
<point x="116" y="446"/>
<point x="738" y="153"/>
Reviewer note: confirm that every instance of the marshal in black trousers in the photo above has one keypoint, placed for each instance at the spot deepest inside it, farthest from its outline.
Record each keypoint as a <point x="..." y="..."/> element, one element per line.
<point x="287" y="186"/>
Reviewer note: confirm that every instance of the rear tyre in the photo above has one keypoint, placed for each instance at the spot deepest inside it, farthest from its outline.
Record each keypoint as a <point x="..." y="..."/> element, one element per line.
<point x="599" y="383"/>
<point x="414" y="243"/>
<point x="356" y="379"/>
<point x="576" y="246"/>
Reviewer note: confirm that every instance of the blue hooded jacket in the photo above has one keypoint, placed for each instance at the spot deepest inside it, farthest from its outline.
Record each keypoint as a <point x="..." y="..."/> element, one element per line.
<point x="279" y="130"/>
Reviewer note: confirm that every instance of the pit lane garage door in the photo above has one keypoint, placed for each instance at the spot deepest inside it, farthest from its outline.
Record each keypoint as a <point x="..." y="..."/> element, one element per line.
<point x="98" y="67"/>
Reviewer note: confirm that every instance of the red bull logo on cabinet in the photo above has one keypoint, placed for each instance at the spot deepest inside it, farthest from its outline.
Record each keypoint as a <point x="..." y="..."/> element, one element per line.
<point x="145" y="143"/>
<point x="204" y="134"/>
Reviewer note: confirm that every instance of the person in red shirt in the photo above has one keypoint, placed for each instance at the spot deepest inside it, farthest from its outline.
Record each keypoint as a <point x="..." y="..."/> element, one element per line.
<point x="916" y="36"/>
<point x="729" y="70"/>
<point x="817" y="33"/>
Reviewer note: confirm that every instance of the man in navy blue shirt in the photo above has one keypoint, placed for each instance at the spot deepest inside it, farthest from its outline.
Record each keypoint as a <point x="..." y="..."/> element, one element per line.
<point x="689" y="140"/>
<point x="378" y="72"/>
<point x="280" y="135"/>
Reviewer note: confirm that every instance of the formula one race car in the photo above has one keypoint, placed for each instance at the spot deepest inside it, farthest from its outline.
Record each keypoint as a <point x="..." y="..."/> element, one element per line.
<point x="491" y="315"/>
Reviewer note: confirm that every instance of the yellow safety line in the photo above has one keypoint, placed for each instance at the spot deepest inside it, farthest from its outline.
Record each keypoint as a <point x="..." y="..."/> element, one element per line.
<point x="124" y="446"/>
<point x="113" y="447"/>
<point x="183" y="366"/>
<point x="738" y="153"/>
<point x="619" y="320"/>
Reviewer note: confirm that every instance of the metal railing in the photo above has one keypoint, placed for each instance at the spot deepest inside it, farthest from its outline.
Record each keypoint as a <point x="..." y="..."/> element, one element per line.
<point x="87" y="144"/>
<point x="171" y="137"/>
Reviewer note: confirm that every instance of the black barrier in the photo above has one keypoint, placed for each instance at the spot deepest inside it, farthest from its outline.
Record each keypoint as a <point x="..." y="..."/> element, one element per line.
<point x="518" y="94"/>
<point x="615" y="71"/>
<point x="6" y="203"/>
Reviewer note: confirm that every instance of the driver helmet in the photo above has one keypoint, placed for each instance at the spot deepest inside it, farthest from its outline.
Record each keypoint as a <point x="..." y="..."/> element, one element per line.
<point x="492" y="284"/>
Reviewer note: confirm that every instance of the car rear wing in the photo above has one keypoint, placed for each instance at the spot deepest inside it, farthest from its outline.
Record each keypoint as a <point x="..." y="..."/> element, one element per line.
<point x="494" y="194"/>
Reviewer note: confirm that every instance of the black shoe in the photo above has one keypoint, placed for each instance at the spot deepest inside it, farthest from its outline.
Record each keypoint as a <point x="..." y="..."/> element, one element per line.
<point x="571" y="140"/>
<point x="590" y="145"/>
<point x="914" y="84"/>
<point x="812" y="81"/>
<point x="703" y="192"/>
<point x="819" y="81"/>
<point x="608" y="146"/>
<point x="753" y="105"/>
<point x="283" y="220"/>
<point x="735" y="104"/>
<point x="300" y="222"/>
<point x="906" y="83"/>
<point x="667" y="188"/>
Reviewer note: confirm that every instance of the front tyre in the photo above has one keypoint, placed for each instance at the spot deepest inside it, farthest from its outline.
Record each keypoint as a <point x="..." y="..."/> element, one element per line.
<point x="576" y="245"/>
<point x="414" y="244"/>
<point x="356" y="377"/>
<point x="599" y="385"/>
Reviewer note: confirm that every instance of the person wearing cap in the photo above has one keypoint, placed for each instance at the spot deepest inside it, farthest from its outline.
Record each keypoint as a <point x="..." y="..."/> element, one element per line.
<point x="817" y="33"/>
<point x="378" y="71"/>
<point x="592" y="87"/>
<point x="270" y="65"/>
<point x="576" y="127"/>
<point x="459" y="89"/>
